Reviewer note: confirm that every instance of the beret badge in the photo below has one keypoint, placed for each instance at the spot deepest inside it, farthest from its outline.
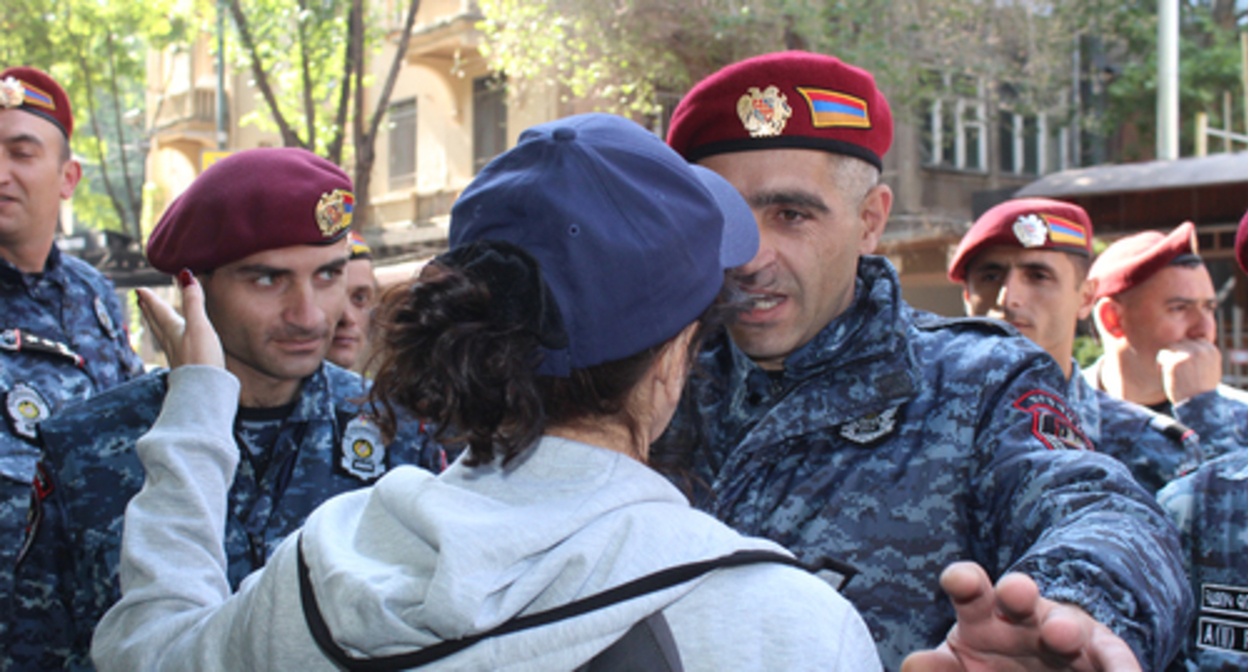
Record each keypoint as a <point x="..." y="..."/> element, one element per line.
<point x="333" y="212"/>
<point x="12" y="93"/>
<point x="764" y="113"/>
<point x="1031" y="231"/>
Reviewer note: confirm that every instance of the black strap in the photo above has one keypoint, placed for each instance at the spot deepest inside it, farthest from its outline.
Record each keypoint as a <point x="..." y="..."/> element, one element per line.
<point x="641" y="586"/>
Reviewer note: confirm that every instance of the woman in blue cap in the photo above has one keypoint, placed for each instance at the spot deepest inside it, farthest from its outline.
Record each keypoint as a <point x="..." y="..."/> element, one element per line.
<point x="552" y="342"/>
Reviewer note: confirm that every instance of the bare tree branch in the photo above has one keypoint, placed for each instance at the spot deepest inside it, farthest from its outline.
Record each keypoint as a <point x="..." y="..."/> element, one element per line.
<point x="99" y="143"/>
<point x="365" y="143"/>
<point x="290" y="138"/>
<point x="309" y="106"/>
<point x="133" y="199"/>
<point x="334" y="149"/>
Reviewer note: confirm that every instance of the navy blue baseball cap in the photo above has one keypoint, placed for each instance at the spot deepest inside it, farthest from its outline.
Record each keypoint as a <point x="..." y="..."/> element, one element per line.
<point x="632" y="241"/>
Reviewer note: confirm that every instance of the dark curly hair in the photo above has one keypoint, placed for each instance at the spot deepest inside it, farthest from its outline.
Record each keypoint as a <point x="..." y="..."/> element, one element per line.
<point x="441" y="358"/>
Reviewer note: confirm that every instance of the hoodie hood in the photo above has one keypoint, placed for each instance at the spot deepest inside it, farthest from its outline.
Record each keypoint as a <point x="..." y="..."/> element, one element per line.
<point x="421" y="559"/>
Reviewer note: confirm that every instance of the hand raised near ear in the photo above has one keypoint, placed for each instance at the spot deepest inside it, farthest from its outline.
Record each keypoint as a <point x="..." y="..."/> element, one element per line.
<point x="185" y="340"/>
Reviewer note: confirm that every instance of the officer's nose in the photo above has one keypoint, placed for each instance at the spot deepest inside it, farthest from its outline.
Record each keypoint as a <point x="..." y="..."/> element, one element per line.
<point x="1008" y="293"/>
<point x="302" y="309"/>
<point x="1203" y="325"/>
<point x="765" y="257"/>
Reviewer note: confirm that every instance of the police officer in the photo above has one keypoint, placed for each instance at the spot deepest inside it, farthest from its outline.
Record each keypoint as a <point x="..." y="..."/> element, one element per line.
<point x="1155" y="308"/>
<point x="350" y="343"/>
<point x="840" y="421"/>
<point x="265" y="232"/>
<point x="1210" y="508"/>
<point x="62" y="337"/>
<point x="1026" y="262"/>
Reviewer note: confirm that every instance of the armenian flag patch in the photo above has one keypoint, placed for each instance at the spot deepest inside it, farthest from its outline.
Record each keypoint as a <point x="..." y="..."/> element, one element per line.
<point x="1065" y="232"/>
<point x="833" y="108"/>
<point x="38" y="98"/>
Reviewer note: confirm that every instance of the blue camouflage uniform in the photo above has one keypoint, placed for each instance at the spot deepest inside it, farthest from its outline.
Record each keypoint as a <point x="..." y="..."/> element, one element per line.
<point x="1210" y="507"/>
<point x="901" y="442"/>
<point x="1156" y="447"/>
<point x="61" y="341"/>
<point x="69" y="578"/>
<point x="1219" y="416"/>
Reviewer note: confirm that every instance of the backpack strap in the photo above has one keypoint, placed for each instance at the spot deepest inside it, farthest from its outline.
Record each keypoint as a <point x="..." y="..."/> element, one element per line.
<point x="649" y="583"/>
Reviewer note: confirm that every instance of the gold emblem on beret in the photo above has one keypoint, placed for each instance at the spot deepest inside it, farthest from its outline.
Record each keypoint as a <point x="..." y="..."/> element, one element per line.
<point x="333" y="212"/>
<point x="12" y="93"/>
<point x="764" y="113"/>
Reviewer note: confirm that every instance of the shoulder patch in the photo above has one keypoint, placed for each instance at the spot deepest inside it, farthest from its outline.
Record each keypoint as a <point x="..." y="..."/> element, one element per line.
<point x="1052" y="421"/>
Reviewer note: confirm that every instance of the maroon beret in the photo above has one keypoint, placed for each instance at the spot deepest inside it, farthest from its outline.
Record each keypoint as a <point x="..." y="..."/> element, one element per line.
<point x="1036" y="223"/>
<point x="33" y="91"/>
<point x="249" y="202"/>
<point x="1241" y="243"/>
<point x="786" y="100"/>
<point x="1134" y="259"/>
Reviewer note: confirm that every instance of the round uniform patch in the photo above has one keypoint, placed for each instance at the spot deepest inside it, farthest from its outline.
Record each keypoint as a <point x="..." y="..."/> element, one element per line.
<point x="25" y="409"/>
<point x="363" y="454"/>
<point x="106" y="320"/>
<point x="764" y="113"/>
<point x="1031" y="231"/>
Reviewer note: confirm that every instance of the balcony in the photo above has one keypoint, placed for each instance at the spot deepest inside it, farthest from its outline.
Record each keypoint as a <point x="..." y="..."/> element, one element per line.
<point x="194" y="110"/>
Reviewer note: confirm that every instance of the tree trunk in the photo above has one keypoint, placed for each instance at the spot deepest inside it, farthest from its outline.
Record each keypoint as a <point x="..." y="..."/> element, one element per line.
<point x="289" y="137"/>
<point x="366" y="142"/>
<point x="333" y="151"/>
<point x="99" y="143"/>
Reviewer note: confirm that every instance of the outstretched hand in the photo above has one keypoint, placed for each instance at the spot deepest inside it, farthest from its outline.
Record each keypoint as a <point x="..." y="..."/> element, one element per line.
<point x="1009" y="627"/>
<point x="189" y="340"/>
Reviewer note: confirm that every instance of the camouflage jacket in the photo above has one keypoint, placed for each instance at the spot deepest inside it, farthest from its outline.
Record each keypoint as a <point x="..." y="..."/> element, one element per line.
<point x="1157" y="448"/>
<point x="901" y="442"/>
<point x="1219" y="416"/>
<point x="68" y="578"/>
<point x="1210" y="507"/>
<point x="62" y="340"/>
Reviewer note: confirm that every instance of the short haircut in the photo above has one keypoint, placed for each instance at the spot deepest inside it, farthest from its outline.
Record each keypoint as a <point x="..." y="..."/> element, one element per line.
<point x="854" y="177"/>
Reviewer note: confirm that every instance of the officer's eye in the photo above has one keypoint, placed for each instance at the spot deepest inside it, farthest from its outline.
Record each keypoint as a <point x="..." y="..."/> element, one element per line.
<point x="266" y="280"/>
<point x="329" y="274"/>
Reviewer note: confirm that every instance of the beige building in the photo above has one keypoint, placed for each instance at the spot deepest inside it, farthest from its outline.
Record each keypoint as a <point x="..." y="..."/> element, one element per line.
<point x="447" y="116"/>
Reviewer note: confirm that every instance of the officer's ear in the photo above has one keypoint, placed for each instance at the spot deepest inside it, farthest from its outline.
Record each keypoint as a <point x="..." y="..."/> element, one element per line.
<point x="1087" y="298"/>
<point x="874" y="213"/>
<point x="966" y="298"/>
<point x="1108" y="314"/>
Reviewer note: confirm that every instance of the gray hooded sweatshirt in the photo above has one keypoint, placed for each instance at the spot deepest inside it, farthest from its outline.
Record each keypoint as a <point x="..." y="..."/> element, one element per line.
<point x="420" y="559"/>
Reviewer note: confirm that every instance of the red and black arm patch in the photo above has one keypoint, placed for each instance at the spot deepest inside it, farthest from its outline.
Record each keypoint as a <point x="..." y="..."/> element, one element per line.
<point x="1052" y="421"/>
<point x="40" y="489"/>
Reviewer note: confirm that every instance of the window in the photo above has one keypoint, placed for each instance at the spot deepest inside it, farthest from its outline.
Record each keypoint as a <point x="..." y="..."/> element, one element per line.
<point x="402" y="145"/>
<point x="1030" y="145"/>
<point x="489" y="120"/>
<point x="954" y="128"/>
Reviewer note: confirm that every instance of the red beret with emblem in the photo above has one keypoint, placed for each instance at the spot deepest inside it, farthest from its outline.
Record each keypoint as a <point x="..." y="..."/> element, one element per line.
<point x="1241" y="243"/>
<point x="1134" y="259"/>
<point x="1033" y="223"/>
<point x="31" y="90"/>
<point x="249" y="202"/>
<point x="785" y="100"/>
